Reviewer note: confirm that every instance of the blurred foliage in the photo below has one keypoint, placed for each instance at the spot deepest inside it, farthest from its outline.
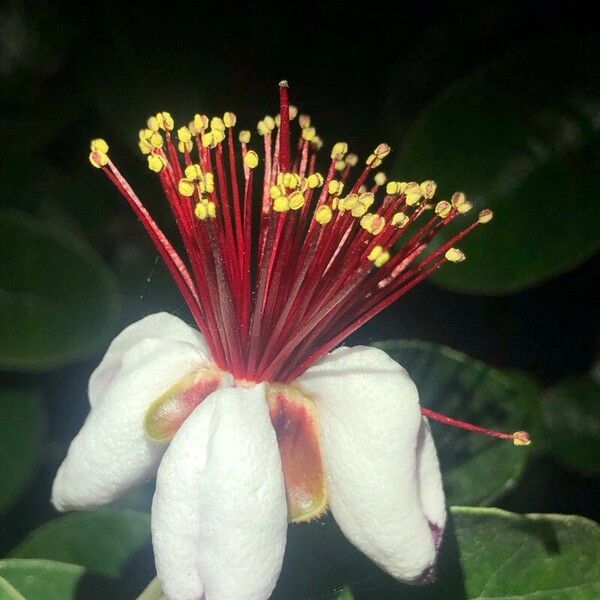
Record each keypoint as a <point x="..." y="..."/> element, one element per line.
<point x="22" y="438"/>
<point x="571" y="412"/>
<point x="477" y="469"/>
<point x="520" y="136"/>
<point x="59" y="301"/>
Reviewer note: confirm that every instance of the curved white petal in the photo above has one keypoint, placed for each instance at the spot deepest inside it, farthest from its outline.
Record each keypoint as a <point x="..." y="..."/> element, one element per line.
<point x="430" y="482"/>
<point x="158" y="326"/>
<point x="370" y="420"/>
<point x="111" y="452"/>
<point x="219" y="516"/>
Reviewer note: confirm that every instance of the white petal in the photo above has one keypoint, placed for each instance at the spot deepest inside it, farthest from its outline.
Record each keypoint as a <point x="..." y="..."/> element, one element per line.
<point x="111" y="452"/>
<point x="430" y="482"/>
<point x="370" y="420"/>
<point x="219" y="516"/>
<point x="159" y="326"/>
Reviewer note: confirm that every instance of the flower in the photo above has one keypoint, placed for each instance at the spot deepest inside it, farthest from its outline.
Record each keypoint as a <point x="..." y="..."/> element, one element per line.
<point x="255" y="419"/>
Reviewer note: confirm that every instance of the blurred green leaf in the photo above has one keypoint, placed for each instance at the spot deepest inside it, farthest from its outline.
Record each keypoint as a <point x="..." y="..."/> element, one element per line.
<point x="346" y="594"/>
<point x="103" y="541"/>
<point x="58" y="300"/>
<point x="476" y="468"/>
<point x="522" y="137"/>
<point x="571" y="413"/>
<point x="506" y="556"/>
<point x="22" y="433"/>
<point x="39" y="580"/>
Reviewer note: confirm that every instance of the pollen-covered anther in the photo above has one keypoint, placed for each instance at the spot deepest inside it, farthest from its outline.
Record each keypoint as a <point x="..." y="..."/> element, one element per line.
<point x="156" y="140"/>
<point x="244" y="136"/>
<point x="323" y="214"/>
<point x="186" y="187"/>
<point x="428" y="189"/>
<point x="373" y="223"/>
<point x="199" y="125"/>
<point x="216" y="123"/>
<point x="455" y="255"/>
<point x="443" y="208"/>
<point x="193" y="172"/>
<point x="382" y="150"/>
<point x="339" y="150"/>
<point x="412" y="192"/>
<point x="251" y="159"/>
<point x="304" y="121"/>
<point x="308" y="133"/>
<point x="486" y="215"/>
<point x="521" y="438"/>
<point x="156" y="162"/>
<point x="335" y="187"/>
<point x="229" y="119"/>
<point x="315" y="180"/>
<point x="281" y="204"/>
<point x="296" y="200"/>
<point x="165" y="121"/>
<point x="380" y="178"/>
<point x="316" y="143"/>
<point x="400" y="220"/>
<point x="351" y="160"/>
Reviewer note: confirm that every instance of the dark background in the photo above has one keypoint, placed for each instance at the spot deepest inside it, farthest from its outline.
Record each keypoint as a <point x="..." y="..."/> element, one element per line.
<point x="77" y="71"/>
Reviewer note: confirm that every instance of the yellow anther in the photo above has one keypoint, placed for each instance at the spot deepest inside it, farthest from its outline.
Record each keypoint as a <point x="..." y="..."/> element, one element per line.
<point x="212" y="209"/>
<point x="351" y="202"/>
<point x="486" y="215"/>
<point x="340" y="165"/>
<point x="465" y="207"/>
<point x="98" y="159"/>
<point x="186" y="187"/>
<point x="281" y="204"/>
<point x="443" y="208"/>
<point x="458" y="198"/>
<point x="521" y="438"/>
<point x="156" y="140"/>
<point x="153" y="123"/>
<point x="207" y="139"/>
<point x="99" y="145"/>
<point x="323" y="215"/>
<point x="428" y="189"/>
<point x="293" y="112"/>
<point x="244" y="136"/>
<point x="412" y="191"/>
<point x="359" y="210"/>
<point x="144" y="147"/>
<point x="156" y="162"/>
<point x="380" y="178"/>
<point x="335" y="187"/>
<point x="275" y="192"/>
<point x="269" y="122"/>
<point x="296" y="200"/>
<point x="373" y="223"/>
<point x="315" y="180"/>
<point x="373" y="161"/>
<point x="455" y="255"/>
<point x="278" y="120"/>
<point x="290" y="180"/>
<point x="251" y="159"/>
<point x="382" y="259"/>
<point x="316" y="143"/>
<point x="400" y="220"/>
<point x="308" y="133"/>
<point x="392" y="188"/>
<point x="217" y="123"/>
<point x="375" y="253"/>
<point x="339" y="150"/>
<point x="304" y="121"/>
<point x="207" y="184"/>
<point x="262" y="128"/>
<point x="200" y="123"/>
<point x="193" y="172"/>
<point x="201" y="211"/>
<point x="185" y="147"/>
<point x="229" y="119"/>
<point x="145" y="134"/>
<point x="165" y="121"/>
<point x="382" y="150"/>
<point x="366" y="199"/>
<point x="351" y="160"/>
<point x="218" y="136"/>
<point x="184" y="134"/>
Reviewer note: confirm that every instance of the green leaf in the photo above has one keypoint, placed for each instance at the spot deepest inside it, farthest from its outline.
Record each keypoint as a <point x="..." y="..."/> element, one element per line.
<point x="103" y="541"/>
<point x="506" y="556"/>
<point x="346" y="594"/>
<point x="571" y="413"/>
<point x="39" y="580"/>
<point x="22" y="433"/>
<point x="521" y="137"/>
<point x="477" y="469"/>
<point x="58" y="300"/>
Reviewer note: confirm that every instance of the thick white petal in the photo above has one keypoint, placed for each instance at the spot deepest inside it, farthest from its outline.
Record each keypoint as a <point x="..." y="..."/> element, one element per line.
<point x="111" y="452"/>
<point x="158" y="326"/>
<point x="219" y="516"/>
<point x="430" y="482"/>
<point x="370" y="420"/>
